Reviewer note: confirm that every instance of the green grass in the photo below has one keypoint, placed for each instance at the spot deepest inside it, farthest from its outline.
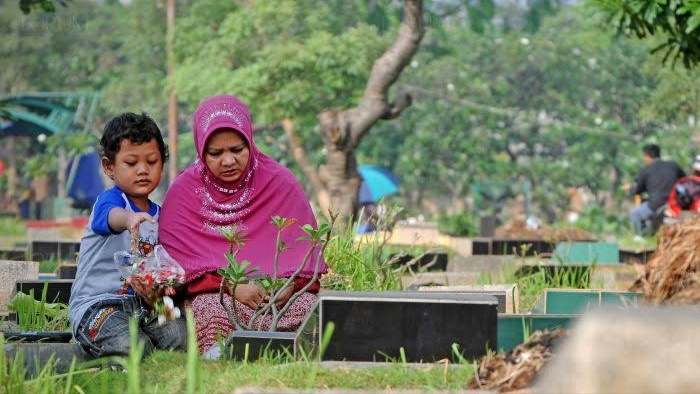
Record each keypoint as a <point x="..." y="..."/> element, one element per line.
<point x="39" y="315"/>
<point x="165" y="372"/>
<point x="359" y="265"/>
<point x="48" y="266"/>
<point x="629" y="241"/>
<point x="12" y="227"/>
<point x="532" y="285"/>
<point x="180" y="372"/>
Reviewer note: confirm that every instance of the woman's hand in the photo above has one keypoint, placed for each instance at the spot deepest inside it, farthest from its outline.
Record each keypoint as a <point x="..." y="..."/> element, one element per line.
<point x="251" y="295"/>
<point x="283" y="296"/>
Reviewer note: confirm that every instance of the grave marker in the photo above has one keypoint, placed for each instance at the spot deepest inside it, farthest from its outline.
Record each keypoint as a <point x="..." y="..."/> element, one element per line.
<point x="374" y="326"/>
<point x="586" y="252"/>
<point x="508" y="295"/>
<point x="12" y="271"/>
<point x="58" y="289"/>
<point x="67" y="271"/>
<point x="60" y="250"/>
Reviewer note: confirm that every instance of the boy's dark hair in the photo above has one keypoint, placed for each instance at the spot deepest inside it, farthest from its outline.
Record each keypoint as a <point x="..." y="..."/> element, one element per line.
<point x="652" y="150"/>
<point x="135" y="128"/>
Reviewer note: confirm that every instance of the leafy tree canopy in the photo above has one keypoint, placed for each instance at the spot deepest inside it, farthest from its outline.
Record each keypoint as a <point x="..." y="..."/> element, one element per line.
<point x="677" y="21"/>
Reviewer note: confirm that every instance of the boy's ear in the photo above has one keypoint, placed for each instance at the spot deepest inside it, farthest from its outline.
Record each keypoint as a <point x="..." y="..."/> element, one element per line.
<point x="108" y="167"/>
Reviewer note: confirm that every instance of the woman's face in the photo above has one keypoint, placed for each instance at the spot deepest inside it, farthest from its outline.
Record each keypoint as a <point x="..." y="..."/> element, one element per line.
<point x="226" y="155"/>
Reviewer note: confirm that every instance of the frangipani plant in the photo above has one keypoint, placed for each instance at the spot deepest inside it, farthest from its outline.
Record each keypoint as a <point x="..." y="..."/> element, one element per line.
<point x="237" y="273"/>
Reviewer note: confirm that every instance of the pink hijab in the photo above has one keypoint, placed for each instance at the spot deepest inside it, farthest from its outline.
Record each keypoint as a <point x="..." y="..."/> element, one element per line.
<point x="197" y="203"/>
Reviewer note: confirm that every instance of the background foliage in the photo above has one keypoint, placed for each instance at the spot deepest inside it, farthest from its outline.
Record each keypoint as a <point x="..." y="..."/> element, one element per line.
<point x="512" y="92"/>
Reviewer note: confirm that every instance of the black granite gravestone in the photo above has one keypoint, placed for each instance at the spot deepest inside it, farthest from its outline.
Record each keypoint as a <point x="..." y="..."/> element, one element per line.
<point x="302" y="342"/>
<point x="520" y="247"/>
<point x="15" y="254"/>
<point x="39" y="336"/>
<point x="481" y="246"/>
<point x="45" y="250"/>
<point x="58" y="289"/>
<point x="433" y="261"/>
<point x="375" y="326"/>
<point x="35" y="356"/>
<point x="67" y="271"/>
<point x="251" y="345"/>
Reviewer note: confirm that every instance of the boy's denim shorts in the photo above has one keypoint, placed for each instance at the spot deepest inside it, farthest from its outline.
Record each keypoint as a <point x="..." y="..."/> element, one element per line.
<point x="104" y="328"/>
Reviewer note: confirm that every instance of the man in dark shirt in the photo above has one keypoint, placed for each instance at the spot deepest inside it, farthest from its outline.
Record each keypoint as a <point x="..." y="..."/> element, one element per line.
<point x="656" y="179"/>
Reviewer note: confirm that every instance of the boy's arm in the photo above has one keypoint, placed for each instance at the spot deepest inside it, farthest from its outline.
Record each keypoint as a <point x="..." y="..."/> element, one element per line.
<point x="120" y="219"/>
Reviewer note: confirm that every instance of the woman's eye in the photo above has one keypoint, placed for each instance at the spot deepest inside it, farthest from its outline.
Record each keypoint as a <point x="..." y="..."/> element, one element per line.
<point x="214" y="154"/>
<point x="152" y="162"/>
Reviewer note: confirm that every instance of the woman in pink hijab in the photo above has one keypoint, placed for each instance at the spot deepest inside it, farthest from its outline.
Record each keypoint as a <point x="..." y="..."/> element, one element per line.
<point x="233" y="184"/>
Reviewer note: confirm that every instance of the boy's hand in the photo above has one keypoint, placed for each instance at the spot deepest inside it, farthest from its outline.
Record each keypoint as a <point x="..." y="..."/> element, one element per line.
<point x="120" y="219"/>
<point x="134" y="220"/>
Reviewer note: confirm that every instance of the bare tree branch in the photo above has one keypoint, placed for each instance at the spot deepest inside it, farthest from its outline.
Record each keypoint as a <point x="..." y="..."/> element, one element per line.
<point x="342" y="130"/>
<point x="259" y="128"/>
<point x="402" y="102"/>
<point x="387" y="68"/>
<point x="302" y="159"/>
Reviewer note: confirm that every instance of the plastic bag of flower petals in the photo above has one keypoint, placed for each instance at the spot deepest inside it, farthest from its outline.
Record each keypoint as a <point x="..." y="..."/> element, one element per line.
<point x="155" y="277"/>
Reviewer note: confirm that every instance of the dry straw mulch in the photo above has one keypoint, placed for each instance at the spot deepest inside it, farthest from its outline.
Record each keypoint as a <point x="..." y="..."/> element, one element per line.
<point x="672" y="275"/>
<point x="517" y="368"/>
<point x="517" y="229"/>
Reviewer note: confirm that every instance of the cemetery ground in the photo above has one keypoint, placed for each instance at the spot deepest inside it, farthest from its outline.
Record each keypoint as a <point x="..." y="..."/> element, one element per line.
<point x="543" y="286"/>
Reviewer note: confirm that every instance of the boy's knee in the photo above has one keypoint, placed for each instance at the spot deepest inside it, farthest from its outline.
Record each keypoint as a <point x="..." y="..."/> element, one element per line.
<point x="120" y="345"/>
<point x="172" y="335"/>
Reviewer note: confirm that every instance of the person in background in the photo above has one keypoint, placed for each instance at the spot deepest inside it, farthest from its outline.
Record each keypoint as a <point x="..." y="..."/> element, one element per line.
<point x="656" y="179"/>
<point x="685" y="194"/>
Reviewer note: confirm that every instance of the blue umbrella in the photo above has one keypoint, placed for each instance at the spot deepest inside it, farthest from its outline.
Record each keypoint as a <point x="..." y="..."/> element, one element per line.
<point x="377" y="182"/>
<point x="87" y="184"/>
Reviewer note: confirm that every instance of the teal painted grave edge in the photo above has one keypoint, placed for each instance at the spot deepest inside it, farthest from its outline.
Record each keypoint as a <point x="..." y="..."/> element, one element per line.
<point x="574" y="301"/>
<point x="510" y="327"/>
<point x="568" y="302"/>
<point x="587" y="252"/>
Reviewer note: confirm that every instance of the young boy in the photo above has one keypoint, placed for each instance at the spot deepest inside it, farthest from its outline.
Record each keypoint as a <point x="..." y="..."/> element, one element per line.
<point x="133" y="155"/>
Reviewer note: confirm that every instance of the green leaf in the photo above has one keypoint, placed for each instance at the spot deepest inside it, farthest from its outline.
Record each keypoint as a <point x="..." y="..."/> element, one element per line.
<point x="693" y="23"/>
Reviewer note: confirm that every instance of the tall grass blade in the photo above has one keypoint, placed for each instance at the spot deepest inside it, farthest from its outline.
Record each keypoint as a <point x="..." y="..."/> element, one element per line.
<point x="69" y="377"/>
<point x="134" y="361"/>
<point x="192" y="367"/>
<point x="41" y="315"/>
<point x="326" y="340"/>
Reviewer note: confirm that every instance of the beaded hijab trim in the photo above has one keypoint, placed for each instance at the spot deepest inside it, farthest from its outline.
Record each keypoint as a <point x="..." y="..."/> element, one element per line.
<point x="207" y="179"/>
<point x="223" y="109"/>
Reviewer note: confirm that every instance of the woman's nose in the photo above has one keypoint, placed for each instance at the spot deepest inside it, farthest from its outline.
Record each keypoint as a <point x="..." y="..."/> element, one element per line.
<point x="229" y="159"/>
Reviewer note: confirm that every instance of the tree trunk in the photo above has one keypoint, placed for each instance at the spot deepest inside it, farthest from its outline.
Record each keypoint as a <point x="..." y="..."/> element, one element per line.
<point x="342" y="130"/>
<point x="11" y="171"/>
<point x="307" y="167"/>
<point x="173" y="131"/>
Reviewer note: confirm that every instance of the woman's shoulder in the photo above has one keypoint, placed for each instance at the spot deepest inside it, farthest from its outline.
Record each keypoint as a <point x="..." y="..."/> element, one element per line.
<point x="278" y="173"/>
<point x="182" y="184"/>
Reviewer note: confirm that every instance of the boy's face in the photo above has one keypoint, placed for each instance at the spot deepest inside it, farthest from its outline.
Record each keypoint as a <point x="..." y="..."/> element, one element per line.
<point x="136" y="168"/>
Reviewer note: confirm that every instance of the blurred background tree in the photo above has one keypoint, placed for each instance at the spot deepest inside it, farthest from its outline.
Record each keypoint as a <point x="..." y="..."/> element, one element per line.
<point x="502" y="91"/>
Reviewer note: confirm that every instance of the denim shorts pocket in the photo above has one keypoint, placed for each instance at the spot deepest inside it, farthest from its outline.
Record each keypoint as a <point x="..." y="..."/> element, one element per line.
<point x="91" y="326"/>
